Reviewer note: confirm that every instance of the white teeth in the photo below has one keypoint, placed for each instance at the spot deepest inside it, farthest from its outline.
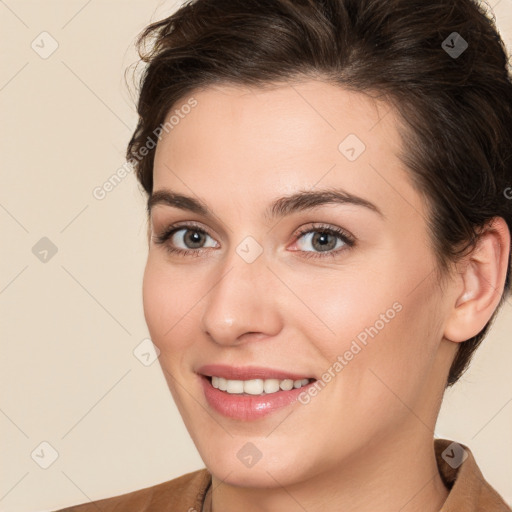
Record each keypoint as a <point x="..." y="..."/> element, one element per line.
<point x="270" y="385"/>
<point x="253" y="387"/>
<point x="235" y="386"/>
<point x="286" y="384"/>
<point x="256" y="386"/>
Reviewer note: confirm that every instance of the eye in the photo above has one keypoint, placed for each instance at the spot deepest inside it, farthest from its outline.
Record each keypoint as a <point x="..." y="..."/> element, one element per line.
<point x="191" y="240"/>
<point x="326" y="241"/>
<point x="186" y="239"/>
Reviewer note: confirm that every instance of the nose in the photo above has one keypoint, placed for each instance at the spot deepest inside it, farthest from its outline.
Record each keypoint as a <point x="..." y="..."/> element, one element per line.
<point x="243" y="303"/>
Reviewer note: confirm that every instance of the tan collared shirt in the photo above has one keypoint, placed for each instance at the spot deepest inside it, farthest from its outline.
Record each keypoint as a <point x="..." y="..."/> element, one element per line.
<point x="469" y="491"/>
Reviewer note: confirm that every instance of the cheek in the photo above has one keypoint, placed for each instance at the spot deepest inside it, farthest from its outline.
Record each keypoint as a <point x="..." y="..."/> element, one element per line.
<point x="168" y="311"/>
<point x="378" y="323"/>
<point x="343" y="307"/>
<point x="168" y="300"/>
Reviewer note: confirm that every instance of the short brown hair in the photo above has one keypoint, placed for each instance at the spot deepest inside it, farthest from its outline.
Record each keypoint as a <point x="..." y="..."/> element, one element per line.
<point x="455" y="101"/>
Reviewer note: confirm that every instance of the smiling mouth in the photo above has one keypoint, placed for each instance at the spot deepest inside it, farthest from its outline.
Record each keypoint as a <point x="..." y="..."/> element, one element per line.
<point x="256" y="386"/>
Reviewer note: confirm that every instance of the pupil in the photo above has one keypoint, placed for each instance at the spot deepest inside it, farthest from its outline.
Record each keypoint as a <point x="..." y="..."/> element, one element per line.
<point x="195" y="238"/>
<point x="324" y="244"/>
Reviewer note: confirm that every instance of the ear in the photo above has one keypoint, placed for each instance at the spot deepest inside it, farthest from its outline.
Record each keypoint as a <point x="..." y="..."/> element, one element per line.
<point x="481" y="280"/>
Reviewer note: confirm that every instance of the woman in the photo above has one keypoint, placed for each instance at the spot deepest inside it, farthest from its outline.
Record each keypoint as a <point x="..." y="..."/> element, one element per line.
<point x="329" y="216"/>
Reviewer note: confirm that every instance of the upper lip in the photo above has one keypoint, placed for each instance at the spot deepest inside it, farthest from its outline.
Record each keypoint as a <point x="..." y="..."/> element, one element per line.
<point x="248" y="372"/>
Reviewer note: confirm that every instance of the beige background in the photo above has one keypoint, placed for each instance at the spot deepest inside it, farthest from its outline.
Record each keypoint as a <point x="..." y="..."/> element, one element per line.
<point x="68" y="374"/>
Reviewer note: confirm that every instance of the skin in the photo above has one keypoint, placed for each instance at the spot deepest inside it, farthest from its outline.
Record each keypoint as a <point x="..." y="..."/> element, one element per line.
<point x="365" y="442"/>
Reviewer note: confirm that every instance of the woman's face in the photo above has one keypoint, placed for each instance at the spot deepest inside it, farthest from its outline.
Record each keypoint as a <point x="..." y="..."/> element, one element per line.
<point x="272" y="289"/>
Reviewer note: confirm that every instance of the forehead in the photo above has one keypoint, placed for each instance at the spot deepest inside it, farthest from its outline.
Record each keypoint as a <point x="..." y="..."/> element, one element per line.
<point x="292" y="111"/>
<point x="281" y="138"/>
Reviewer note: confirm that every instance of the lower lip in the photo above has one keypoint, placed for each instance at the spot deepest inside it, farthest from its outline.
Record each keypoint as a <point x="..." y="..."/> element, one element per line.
<point x="248" y="407"/>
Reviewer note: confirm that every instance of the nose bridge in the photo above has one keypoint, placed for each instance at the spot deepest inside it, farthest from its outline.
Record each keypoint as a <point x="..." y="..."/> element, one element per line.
<point x="242" y="299"/>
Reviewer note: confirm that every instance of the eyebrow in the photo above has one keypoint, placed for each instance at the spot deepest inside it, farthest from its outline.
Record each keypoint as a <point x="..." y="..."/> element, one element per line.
<point x="296" y="202"/>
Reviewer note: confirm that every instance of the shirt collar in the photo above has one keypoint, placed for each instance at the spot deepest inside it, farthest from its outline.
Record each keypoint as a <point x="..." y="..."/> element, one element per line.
<point x="469" y="491"/>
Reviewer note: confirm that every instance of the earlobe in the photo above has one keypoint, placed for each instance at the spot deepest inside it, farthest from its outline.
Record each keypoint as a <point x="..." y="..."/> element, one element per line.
<point x="483" y="277"/>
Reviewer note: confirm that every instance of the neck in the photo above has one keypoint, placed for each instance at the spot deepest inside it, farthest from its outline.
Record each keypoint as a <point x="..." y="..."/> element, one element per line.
<point x="395" y="475"/>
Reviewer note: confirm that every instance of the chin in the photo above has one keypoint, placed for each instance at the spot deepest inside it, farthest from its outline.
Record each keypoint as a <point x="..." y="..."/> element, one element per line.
<point x="243" y="461"/>
<point x="261" y="475"/>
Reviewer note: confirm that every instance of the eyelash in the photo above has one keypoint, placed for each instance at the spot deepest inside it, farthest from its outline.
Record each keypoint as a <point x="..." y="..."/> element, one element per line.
<point x="347" y="239"/>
